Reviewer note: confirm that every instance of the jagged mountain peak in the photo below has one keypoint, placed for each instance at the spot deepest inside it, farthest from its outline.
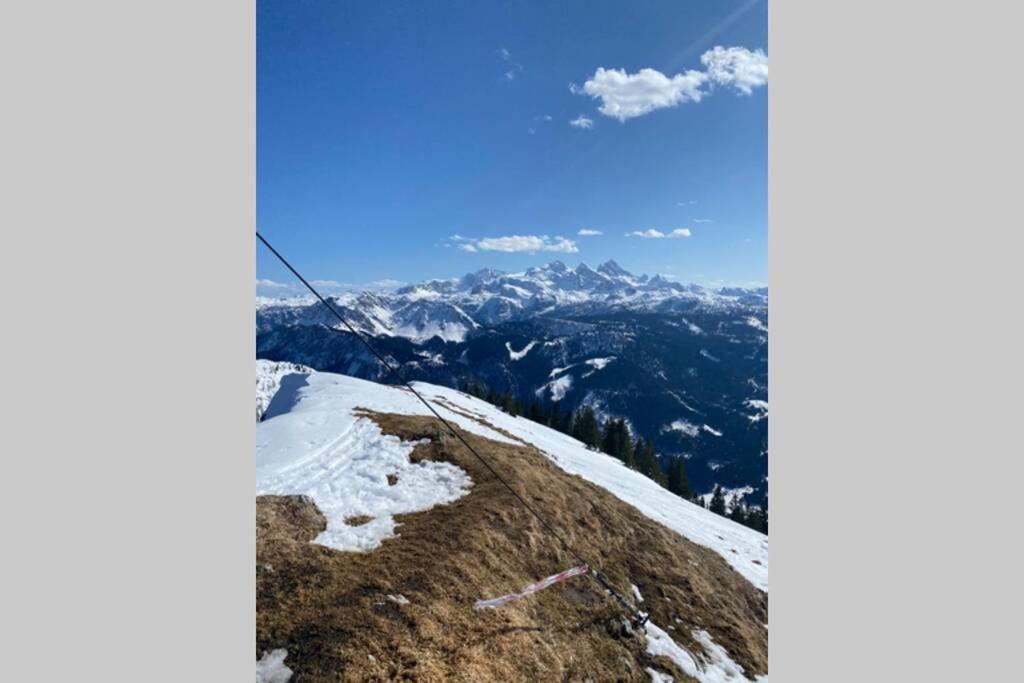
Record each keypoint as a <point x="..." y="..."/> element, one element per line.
<point x="613" y="269"/>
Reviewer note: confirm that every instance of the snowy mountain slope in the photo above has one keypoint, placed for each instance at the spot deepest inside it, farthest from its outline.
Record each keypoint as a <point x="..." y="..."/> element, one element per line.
<point x="744" y="549"/>
<point x="413" y="529"/>
<point x="312" y="421"/>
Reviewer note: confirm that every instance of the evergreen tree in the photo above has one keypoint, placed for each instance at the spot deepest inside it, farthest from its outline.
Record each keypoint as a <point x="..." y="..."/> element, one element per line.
<point x="609" y="438"/>
<point x="628" y="450"/>
<point x="717" y="504"/>
<point x="585" y="427"/>
<point x="647" y="461"/>
<point x="678" y="483"/>
<point x="739" y="513"/>
<point x="615" y="438"/>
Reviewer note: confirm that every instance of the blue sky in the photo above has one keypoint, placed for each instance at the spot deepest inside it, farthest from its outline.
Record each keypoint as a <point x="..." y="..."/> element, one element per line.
<point x="399" y="141"/>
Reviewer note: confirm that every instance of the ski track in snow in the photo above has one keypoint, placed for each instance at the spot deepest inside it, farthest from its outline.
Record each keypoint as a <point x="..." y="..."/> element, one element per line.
<point x="310" y="425"/>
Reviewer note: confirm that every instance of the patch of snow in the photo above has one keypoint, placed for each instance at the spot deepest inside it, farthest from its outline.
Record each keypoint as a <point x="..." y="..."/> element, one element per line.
<point x="707" y="354"/>
<point x="681" y="425"/>
<point x="756" y="324"/>
<point x="658" y="677"/>
<point x="516" y="355"/>
<point x="716" y="665"/>
<point x="760" y="406"/>
<point x="731" y="496"/>
<point x="451" y="332"/>
<point x="660" y="644"/>
<point x="271" y="667"/>
<point x="559" y="371"/>
<point x="600" y="363"/>
<point x="311" y="443"/>
<point x="435" y="359"/>
<point x="682" y="402"/>
<point x="399" y="599"/>
<point x="690" y="326"/>
<point x="558" y="388"/>
<point x="636" y="593"/>
<point x="711" y="431"/>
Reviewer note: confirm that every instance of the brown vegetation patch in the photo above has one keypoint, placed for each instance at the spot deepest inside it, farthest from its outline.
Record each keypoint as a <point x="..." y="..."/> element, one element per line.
<point x="358" y="520"/>
<point x="338" y="615"/>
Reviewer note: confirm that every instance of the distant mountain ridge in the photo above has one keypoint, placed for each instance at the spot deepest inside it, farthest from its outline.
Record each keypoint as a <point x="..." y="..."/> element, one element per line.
<point x="452" y="309"/>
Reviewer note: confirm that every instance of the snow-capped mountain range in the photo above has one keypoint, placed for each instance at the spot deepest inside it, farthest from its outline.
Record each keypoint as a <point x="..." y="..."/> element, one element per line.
<point x="455" y="308"/>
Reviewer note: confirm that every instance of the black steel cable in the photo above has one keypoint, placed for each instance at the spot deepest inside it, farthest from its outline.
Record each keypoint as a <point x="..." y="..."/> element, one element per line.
<point x="637" y="614"/>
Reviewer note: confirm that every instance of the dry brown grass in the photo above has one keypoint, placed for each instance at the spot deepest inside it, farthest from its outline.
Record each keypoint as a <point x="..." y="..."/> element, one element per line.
<point x="333" y="613"/>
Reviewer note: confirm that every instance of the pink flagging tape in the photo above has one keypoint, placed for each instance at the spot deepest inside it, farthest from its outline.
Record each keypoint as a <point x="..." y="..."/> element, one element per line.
<point x="494" y="603"/>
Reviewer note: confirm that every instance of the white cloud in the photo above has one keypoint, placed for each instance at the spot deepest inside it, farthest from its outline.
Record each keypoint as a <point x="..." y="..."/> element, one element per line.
<point x="653" y="234"/>
<point x="270" y="284"/>
<point x="737" y="67"/>
<point x="514" y="244"/>
<point x="527" y="243"/>
<point x="587" y="232"/>
<point x="624" y="96"/>
<point x="583" y="122"/>
<point x="702" y="220"/>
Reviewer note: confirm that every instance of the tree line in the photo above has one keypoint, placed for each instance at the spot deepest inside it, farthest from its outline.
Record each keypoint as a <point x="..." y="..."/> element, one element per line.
<point x="617" y="440"/>
<point x="738" y="511"/>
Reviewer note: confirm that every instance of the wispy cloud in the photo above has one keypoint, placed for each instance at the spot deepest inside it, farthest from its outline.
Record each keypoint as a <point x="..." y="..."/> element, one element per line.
<point x="690" y="202"/>
<point x="517" y="243"/>
<point x="512" y="68"/>
<point x="583" y="122"/>
<point x="587" y="232"/>
<point x="653" y="234"/>
<point x="270" y="284"/>
<point x="266" y="287"/>
<point x="702" y="220"/>
<point x="625" y="96"/>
